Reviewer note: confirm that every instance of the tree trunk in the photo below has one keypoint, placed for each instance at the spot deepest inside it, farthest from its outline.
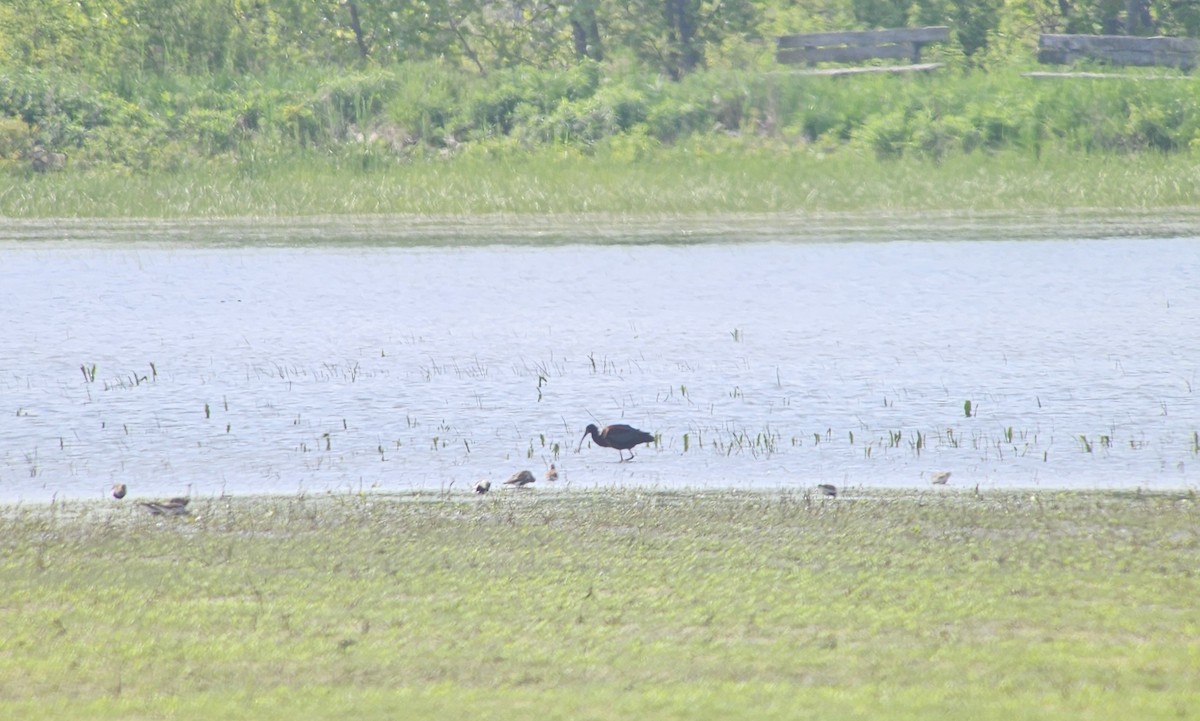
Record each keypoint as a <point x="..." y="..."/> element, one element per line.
<point x="356" y="27"/>
<point x="462" y="39"/>
<point x="596" y="52"/>
<point x="580" y="37"/>
<point x="586" y="31"/>
<point x="1137" y="17"/>
<point x="1110" y="18"/>
<point x="681" y="34"/>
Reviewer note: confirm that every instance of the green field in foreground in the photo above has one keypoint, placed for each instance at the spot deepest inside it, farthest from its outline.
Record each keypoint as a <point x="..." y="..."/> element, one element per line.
<point x="604" y="605"/>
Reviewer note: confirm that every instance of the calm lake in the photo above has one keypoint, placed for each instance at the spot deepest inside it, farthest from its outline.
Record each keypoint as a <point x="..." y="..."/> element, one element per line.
<point x="244" y="360"/>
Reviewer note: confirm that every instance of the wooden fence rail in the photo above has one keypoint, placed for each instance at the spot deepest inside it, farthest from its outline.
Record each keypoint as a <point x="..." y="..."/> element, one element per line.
<point x="1119" y="50"/>
<point x="858" y="45"/>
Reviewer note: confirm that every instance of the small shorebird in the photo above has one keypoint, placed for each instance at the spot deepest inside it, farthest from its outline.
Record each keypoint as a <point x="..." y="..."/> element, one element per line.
<point x="940" y="478"/>
<point x="520" y="480"/>
<point x="118" y="491"/>
<point x="551" y="473"/>
<point x="483" y="487"/>
<point x="828" y="489"/>
<point x="619" y="436"/>
<point x="173" y="507"/>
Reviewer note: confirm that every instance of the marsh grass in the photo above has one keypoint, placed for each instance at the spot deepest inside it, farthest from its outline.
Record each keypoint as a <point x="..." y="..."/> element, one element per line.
<point x="606" y="604"/>
<point x="698" y="179"/>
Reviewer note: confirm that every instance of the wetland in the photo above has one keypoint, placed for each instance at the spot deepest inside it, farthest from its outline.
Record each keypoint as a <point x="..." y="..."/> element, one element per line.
<point x="397" y="354"/>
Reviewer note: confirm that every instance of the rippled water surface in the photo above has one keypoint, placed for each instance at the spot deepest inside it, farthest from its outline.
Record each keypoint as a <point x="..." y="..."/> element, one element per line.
<point x="251" y="369"/>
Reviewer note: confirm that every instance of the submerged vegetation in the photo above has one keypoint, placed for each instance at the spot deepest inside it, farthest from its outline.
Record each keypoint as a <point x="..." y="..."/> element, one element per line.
<point x="613" y="604"/>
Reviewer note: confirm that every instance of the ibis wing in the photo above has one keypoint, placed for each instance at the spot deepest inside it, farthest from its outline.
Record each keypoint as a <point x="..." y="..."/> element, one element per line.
<point x="622" y="436"/>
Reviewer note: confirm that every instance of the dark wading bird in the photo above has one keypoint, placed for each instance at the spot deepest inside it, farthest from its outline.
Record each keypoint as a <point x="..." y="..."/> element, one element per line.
<point x="828" y="489"/>
<point x="483" y="487"/>
<point x="520" y="480"/>
<point x="173" y="507"/>
<point x="619" y="436"/>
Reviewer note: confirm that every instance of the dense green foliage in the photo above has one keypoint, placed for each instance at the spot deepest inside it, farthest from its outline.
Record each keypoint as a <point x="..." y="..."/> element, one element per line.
<point x="422" y="110"/>
<point x="184" y="37"/>
<point x="605" y="605"/>
<point x="150" y="86"/>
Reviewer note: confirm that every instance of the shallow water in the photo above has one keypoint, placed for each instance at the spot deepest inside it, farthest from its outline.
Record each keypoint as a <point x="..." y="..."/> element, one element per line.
<point x="266" y="368"/>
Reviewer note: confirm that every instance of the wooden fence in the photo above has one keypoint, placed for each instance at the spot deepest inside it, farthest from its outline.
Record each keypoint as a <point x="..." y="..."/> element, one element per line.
<point x="1119" y="50"/>
<point x="860" y="45"/>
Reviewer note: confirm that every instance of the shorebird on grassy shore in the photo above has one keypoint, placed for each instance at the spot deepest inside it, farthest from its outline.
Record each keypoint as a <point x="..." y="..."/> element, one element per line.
<point x="940" y="478"/>
<point x="118" y="491"/>
<point x="520" y="480"/>
<point x="173" y="507"/>
<point x="483" y="487"/>
<point x="618" y="436"/>
<point x="551" y="473"/>
<point x="828" y="489"/>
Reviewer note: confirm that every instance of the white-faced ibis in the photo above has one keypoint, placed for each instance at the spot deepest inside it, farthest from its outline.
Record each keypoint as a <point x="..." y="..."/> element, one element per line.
<point x="173" y="507"/>
<point x="619" y="436"/>
<point x="118" y="491"/>
<point x="520" y="480"/>
<point x="552" y="473"/>
<point x="828" y="489"/>
<point x="940" y="478"/>
<point x="483" y="487"/>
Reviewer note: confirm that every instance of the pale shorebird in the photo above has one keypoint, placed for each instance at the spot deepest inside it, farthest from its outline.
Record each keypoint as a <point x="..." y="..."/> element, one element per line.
<point x="520" y="480"/>
<point x="118" y="491"/>
<point x="173" y="507"/>
<point x="940" y="478"/>
<point x="552" y="473"/>
<point x="828" y="489"/>
<point x="483" y="487"/>
<point x="619" y="436"/>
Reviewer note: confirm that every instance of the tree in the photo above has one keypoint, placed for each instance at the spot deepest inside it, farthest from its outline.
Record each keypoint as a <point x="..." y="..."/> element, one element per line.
<point x="972" y="20"/>
<point x="672" y="34"/>
<point x="585" y="30"/>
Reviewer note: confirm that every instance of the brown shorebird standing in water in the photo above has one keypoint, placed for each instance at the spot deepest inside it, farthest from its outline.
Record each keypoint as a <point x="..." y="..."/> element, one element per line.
<point x="118" y="491"/>
<point x="940" y="478"/>
<point x="619" y="436"/>
<point x="551" y="473"/>
<point x="520" y="480"/>
<point x="483" y="487"/>
<point x="173" y="507"/>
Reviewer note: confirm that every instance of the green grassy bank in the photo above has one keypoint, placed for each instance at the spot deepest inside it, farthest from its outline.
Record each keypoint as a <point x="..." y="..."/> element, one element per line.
<point x="606" y="604"/>
<point x="431" y="139"/>
<point x="698" y="179"/>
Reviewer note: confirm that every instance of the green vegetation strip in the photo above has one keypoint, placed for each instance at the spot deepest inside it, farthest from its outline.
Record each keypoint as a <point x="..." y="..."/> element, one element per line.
<point x="606" y="604"/>
<point x="678" y="182"/>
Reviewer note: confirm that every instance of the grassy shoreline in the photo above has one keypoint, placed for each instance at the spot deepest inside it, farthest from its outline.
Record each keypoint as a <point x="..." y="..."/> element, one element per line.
<point x="681" y="182"/>
<point x="396" y="230"/>
<point x="606" y="604"/>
